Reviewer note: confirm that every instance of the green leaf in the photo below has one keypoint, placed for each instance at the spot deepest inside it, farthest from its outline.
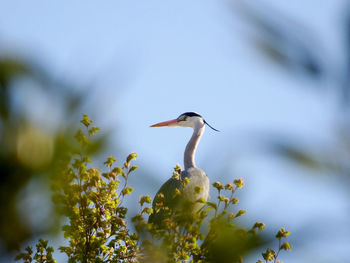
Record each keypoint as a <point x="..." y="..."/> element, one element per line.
<point x="160" y="196"/>
<point x="198" y="189"/>
<point x="213" y="205"/>
<point x="239" y="182"/>
<point x="223" y="198"/>
<point x="145" y="199"/>
<point x="231" y="215"/>
<point x="133" y="168"/>
<point x="176" y="175"/>
<point x="107" y="175"/>
<point x="259" y="225"/>
<point x="201" y="200"/>
<point x="23" y="256"/>
<point x="177" y="169"/>
<point x="117" y="170"/>
<point x="185" y="181"/>
<point x="229" y="187"/>
<point x="282" y="233"/>
<point x="127" y="190"/>
<point x="86" y="120"/>
<point x="269" y="255"/>
<point x="80" y="137"/>
<point x="131" y="156"/>
<point x="110" y="161"/>
<point x="134" y="236"/>
<point x="29" y="250"/>
<point x="86" y="159"/>
<point x="93" y="130"/>
<point x="240" y="212"/>
<point x="177" y="192"/>
<point x="147" y="210"/>
<point x="286" y="246"/>
<point x="218" y="186"/>
<point x="234" y="200"/>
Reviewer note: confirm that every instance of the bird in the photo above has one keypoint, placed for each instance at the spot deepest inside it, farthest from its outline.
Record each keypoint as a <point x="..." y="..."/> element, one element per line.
<point x="175" y="193"/>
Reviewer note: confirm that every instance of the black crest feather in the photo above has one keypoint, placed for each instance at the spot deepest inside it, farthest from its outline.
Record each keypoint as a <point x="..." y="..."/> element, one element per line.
<point x="194" y="114"/>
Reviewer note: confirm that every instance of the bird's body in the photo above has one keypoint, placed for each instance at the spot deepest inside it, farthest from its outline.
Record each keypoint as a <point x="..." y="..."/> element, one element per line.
<point x="193" y="183"/>
<point x="188" y="196"/>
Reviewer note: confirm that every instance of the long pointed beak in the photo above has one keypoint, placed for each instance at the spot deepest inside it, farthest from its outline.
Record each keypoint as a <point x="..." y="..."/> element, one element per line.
<point x="165" y="123"/>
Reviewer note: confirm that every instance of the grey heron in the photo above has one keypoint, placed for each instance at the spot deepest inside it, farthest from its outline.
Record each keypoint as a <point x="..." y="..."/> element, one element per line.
<point x="173" y="193"/>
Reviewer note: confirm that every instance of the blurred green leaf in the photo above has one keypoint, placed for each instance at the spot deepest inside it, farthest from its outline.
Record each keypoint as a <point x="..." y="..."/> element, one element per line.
<point x="286" y="246"/>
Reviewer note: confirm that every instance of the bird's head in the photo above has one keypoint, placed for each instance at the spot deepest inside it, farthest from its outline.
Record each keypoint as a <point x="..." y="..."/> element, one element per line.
<point x="187" y="119"/>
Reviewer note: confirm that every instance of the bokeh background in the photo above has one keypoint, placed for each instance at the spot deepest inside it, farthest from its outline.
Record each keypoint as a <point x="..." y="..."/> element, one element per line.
<point x="272" y="76"/>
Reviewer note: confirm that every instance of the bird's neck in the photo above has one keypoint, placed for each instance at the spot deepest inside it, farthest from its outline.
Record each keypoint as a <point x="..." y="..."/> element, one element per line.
<point x="191" y="147"/>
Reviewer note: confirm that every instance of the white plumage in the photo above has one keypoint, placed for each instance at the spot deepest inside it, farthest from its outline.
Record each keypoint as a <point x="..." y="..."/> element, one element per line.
<point x="197" y="177"/>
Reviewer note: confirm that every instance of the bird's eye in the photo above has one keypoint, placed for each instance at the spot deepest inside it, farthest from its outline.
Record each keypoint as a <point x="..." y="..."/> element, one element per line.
<point x="182" y="118"/>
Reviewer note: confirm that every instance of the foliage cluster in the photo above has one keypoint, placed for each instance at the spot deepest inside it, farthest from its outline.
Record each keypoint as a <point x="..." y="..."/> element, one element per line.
<point x="32" y="144"/>
<point x="93" y="201"/>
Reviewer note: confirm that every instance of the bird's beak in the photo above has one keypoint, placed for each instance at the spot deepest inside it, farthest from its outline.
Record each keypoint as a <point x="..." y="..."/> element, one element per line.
<point x="165" y="123"/>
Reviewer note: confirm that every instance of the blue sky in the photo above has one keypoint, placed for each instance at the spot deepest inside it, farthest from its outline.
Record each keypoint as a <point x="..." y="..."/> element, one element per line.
<point x="153" y="60"/>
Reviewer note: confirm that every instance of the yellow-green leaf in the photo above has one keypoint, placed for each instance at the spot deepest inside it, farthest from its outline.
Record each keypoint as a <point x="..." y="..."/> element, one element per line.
<point x="127" y="190"/>
<point x="240" y="212"/>
<point x="286" y="246"/>
<point x="239" y="182"/>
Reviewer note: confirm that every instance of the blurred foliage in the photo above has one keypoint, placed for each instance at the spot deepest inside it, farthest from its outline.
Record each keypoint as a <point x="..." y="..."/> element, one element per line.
<point x="30" y="149"/>
<point x="295" y="48"/>
<point x="98" y="230"/>
<point x="292" y="47"/>
<point x="43" y="253"/>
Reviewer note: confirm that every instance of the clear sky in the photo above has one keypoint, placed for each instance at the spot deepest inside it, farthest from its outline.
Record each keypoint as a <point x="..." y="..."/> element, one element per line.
<point x="153" y="60"/>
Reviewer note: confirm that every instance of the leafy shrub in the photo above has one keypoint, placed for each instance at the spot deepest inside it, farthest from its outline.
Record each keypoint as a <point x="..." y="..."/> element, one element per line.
<point x="98" y="229"/>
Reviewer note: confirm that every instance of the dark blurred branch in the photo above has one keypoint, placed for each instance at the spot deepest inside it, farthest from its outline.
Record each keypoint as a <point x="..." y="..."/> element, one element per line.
<point x="28" y="150"/>
<point x="321" y="159"/>
<point x="282" y="40"/>
<point x="345" y="84"/>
